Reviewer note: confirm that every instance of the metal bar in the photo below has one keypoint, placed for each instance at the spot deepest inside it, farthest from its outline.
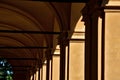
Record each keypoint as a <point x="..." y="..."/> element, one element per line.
<point x="78" y="32"/>
<point x="80" y="1"/>
<point x="77" y="39"/>
<point x="21" y="58"/>
<point x="23" y="47"/>
<point x="21" y="70"/>
<point x="56" y="54"/>
<point x="21" y="66"/>
<point x="29" y="32"/>
<point x="16" y="66"/>
<point x="112" y="7"/>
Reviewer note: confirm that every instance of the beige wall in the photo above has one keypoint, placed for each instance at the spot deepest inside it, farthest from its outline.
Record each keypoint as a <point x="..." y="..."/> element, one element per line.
<point x="113" y="3"/>
<point x="76" y="66"/>
<point x="112" y="45"/>
<point x="56" y="68"/>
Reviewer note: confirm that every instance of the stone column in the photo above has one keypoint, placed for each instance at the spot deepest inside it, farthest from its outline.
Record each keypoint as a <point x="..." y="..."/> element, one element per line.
<point x="63" y="42"/>
<point x="90" y="17"/>
<point x="48" y="57"/>
<point x="39" y="73"/>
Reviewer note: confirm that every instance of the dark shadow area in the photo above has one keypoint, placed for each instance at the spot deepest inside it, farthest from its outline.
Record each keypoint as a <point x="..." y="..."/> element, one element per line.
<point x="83" y="1"/>
<point x="104" y="2"/>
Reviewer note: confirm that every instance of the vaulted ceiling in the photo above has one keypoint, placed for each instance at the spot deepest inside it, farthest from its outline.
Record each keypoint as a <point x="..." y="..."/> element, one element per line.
<point x="29" y="28"/>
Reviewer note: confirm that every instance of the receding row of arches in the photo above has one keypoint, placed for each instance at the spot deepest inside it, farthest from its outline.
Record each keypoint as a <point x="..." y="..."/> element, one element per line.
<point x="31" y="30"/>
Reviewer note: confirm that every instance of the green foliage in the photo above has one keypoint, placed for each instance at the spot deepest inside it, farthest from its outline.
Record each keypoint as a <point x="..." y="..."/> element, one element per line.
<point x="5" y="70"/>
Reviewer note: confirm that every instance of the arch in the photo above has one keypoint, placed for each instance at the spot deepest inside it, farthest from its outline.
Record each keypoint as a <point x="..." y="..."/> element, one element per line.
<point x="23" y="14"/>
<point x="54" y="11"/>
<point x="27" y="37"/>
<point x="4" y="26"/>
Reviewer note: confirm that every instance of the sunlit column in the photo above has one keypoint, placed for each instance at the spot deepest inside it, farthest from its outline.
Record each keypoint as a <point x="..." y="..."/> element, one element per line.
<point x="44" y="71"/>
<point x="31" y="77"/>
<point x="34" y="76"/>
<point x="99" y="46"/>
<point x="41" y="74"/>
<point x="37" y="74"/>
<point x="56" y="64"/>
<point x="66" y="63"/>
<point x="50" y="70"/>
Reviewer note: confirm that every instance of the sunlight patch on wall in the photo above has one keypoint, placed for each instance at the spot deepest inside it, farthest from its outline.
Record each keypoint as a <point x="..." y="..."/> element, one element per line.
<point x="112" y="46"/>
<point x="76" y="66"/>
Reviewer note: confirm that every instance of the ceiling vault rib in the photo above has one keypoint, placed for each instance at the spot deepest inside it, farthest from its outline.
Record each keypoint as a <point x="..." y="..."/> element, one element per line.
<point x="30" y="32"/>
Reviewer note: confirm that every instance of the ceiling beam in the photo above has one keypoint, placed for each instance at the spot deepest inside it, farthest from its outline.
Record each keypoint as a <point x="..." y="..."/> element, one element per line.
<point x="30" y="32"/>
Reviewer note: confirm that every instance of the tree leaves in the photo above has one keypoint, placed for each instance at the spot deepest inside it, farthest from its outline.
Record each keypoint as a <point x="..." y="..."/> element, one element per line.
<point x="6" y="72"/>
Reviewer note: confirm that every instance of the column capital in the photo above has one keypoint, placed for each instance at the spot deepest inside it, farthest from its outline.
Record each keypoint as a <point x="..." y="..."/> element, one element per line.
<point x="87" y="18"/>
<point x="48" y="54"/>
<point x="92" y="8"/>
<point x="63" y="38"/>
